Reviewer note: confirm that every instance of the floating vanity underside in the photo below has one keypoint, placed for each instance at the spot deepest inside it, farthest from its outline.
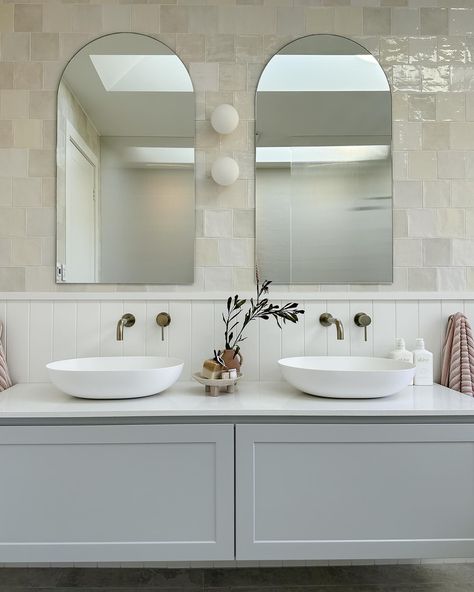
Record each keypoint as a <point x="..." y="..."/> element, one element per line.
<point x="171" y="477"/>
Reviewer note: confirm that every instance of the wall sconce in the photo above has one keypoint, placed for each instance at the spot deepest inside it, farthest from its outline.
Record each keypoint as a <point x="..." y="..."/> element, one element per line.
<point x="225" y="119"/>
<point x="225" y="171"/>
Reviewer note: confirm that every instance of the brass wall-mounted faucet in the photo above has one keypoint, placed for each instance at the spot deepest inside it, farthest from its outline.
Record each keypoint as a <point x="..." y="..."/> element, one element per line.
<point x="326" y="320"/>
<point x="127" y="320"/>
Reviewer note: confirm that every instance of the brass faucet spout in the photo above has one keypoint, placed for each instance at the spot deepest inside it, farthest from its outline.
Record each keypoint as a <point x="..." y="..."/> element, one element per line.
<point x="339" y="329"/>
<point x="127" y="320"/>
<point x="326" y="320"/>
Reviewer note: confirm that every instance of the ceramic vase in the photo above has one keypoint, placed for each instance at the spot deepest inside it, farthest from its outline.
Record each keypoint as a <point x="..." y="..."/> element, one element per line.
<point x="231" y="359"/>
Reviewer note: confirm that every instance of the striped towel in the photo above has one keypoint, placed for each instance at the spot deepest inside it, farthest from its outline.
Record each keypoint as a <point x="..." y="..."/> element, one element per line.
<point x="457" y="370"/>
<point x="5" y="381"/>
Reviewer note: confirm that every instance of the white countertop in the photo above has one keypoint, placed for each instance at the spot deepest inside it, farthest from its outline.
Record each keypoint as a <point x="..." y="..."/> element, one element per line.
<point x="254" y="399"/>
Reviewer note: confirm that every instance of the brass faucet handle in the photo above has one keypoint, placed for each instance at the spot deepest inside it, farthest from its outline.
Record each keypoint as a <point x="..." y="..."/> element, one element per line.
<point x="362" y="319"/>
<point x="326" y="319"/>
<point x="128" y="320"/>
<point x="163" y="319"/>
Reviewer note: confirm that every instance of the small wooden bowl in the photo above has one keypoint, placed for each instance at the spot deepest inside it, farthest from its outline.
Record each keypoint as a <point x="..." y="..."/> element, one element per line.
<point x="215" y="385"/>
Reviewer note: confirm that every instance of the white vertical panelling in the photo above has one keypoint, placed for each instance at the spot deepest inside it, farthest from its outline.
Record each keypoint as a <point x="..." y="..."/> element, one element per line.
<point x="202" y="333"/>
<point x="134" y="337"/>
<point x="41" y="340"/>
<point x="292" y="339"/>
<point x="339" y="310"/>
<point x="180" y="335"/>
<point x="154" y="345"/>
<point x="315" y="335"/>
<point x="42" y="330"/>
<point x="432" y="331"/>
<point x="64" y="330"/>
<point x="110" y="313"/>
<point x="3" y="319"/>
<point x="251" y="351"/>
<point x="407" y="321"/>
<point x="18" y="322"/>
<point x="360" y="347"/>
<point x="269" y="349"/>
<point x="449" y="307"/>
<point x="87" y="329"/>
<point x="383" y="327"/>
<point x="468" y="311"/>
<point x="219" y="327"/>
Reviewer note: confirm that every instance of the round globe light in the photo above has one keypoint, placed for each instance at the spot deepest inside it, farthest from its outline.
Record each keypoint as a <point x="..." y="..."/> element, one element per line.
<point x="225" y="171"/>
<point x="224" y="119"/>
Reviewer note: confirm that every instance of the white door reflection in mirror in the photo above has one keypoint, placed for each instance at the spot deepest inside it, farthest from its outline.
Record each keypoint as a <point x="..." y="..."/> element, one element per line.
<point x="81" y="214"/>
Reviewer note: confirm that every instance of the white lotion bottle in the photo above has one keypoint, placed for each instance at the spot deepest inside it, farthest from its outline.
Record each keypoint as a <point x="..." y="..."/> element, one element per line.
<point x="423" y="360"/>
<point x="400" y="352"/>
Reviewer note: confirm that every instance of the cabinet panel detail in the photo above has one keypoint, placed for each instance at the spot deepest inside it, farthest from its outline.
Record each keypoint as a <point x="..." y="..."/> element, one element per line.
<point x="354" y="491"/>
<point x="116" y="493"/>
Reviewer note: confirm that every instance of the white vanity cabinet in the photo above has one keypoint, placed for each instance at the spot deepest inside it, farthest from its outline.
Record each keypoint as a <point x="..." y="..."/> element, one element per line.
<point x="361" y="491"/>
<point x="153" y="479"/>
<point x="116" y="493"/>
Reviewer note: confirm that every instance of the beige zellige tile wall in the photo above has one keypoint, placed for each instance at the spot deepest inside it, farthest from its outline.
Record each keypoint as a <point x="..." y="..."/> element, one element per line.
<point x="425" y="46"/>
<point x="39" y="331"/>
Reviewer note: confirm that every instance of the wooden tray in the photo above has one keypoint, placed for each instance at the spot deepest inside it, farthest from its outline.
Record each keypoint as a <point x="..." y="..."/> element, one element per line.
<point x="215" y="385"/>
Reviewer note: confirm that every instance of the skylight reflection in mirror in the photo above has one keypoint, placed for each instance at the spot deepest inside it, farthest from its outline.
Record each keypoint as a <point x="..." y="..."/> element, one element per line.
<point x="137" y="73"/>
<point x="311" y="73"/>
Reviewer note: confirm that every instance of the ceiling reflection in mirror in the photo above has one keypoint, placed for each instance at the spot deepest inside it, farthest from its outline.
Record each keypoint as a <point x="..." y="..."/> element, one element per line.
<point x="125" y="165"/>
<point x="323" y="165"/>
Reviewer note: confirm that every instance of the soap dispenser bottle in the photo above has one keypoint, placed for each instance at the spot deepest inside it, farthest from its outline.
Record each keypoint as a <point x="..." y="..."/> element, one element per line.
<point x="400" y="352"/>
<point x="423" y="360"/>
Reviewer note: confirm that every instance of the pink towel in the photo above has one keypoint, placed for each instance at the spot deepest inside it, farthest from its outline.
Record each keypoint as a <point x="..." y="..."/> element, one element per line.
<point x="457" y="370"/>
<point x="5" y="381"/>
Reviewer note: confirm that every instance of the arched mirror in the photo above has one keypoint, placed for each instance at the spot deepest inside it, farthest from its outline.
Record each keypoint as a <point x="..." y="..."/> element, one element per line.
<point x="125" y="164"/>
<point x="323" y="165"/>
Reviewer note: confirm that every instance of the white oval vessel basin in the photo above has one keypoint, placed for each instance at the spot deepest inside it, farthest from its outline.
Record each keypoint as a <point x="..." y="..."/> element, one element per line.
<point x="342" y="377"/>
<point x="124" y="377"/>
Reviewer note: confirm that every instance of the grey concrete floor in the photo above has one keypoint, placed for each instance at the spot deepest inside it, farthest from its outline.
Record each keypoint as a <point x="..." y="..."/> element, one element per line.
<point x="396" y="578"/>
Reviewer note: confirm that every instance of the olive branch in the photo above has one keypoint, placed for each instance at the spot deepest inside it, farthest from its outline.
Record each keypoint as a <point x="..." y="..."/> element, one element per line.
<point x="260" y="308"/>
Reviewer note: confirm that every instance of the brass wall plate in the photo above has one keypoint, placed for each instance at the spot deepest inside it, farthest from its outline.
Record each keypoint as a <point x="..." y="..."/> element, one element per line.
<point x="163" y="319"/>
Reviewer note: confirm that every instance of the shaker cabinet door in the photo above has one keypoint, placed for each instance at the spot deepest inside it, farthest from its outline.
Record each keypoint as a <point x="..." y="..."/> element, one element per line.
<point x="116" y="493"/>
<point x="354" y="491"/>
